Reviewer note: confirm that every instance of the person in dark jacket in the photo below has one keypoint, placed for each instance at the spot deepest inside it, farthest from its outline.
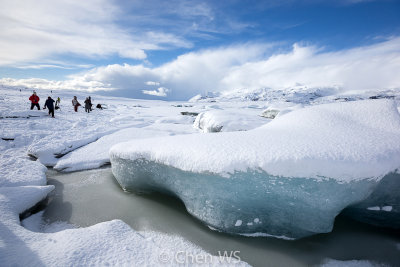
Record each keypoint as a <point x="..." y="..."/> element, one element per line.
<point x="88" y="105"/>
<point x="90" y="100"/>
<point x="50" y="105"/>
<point x="35" y="101"/>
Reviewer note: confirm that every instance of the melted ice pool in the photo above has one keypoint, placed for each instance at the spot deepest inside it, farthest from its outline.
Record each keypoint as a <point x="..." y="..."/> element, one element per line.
<point x="89" y="197"/>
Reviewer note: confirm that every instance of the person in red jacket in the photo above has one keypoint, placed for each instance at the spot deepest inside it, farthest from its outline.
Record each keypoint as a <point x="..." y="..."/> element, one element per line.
<point x="35" y="101"/>
<point x="75" y="103"/>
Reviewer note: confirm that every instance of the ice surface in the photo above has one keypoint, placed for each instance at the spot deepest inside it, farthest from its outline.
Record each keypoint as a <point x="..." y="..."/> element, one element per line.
<point x="295" y="174"/>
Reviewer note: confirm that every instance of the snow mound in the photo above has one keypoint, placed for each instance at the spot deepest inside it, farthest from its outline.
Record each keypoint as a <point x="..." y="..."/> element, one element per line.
<point x="293" y="175"/>
<point x="11" y="173"/>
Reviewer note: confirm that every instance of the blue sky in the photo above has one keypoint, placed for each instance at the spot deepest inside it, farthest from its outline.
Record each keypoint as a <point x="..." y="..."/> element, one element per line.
<point x="170" y="48"/>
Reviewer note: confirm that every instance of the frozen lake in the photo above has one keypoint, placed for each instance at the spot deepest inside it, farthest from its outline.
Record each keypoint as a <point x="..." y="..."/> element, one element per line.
<point x="89" y="197"/>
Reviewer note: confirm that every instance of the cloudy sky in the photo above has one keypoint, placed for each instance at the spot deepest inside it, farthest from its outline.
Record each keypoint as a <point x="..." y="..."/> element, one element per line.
<point x="175" y="49"/>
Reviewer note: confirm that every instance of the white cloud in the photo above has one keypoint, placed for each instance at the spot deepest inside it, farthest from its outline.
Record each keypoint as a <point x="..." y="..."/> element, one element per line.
<point x="32" y="31"/>
<point x="75" y="84"/>
<point x="54" y="66"/>
<point x="249" y="66"/>
<point x="161" y="91"/>
<point x="152" y="83"/>
<point x="364" y="68"/>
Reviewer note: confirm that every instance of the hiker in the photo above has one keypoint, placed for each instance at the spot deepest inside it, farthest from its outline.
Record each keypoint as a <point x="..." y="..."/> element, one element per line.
<point x="88" y="105"/>
<point x="35" y="101"/>
<point x="75" y="103"/>
<point x="99" y="106"/>
<point x="58" y="103"/>
<point x="90" y="99"/>
<point x="50" y="106"/>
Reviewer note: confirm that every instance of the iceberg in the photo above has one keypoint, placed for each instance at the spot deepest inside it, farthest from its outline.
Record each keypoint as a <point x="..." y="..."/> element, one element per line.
<point x="286" y="207"/>
<point x="288" y="178"/>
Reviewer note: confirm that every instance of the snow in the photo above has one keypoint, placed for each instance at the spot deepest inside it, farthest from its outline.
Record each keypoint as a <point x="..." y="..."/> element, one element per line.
<point x="20" y="170"/>
<point x="75" y="141"/>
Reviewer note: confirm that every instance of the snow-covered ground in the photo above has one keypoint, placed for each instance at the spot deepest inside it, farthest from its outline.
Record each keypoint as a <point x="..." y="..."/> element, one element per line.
<point x="27" y="135"/>
<point x="77" y="141"/>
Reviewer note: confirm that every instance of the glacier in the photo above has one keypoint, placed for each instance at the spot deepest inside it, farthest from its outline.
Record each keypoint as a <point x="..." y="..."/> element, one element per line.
<point x="288" y="178"/>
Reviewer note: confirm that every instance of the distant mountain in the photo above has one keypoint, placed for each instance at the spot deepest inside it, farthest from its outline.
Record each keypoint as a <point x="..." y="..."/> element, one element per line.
<point x="298" y="94"/>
